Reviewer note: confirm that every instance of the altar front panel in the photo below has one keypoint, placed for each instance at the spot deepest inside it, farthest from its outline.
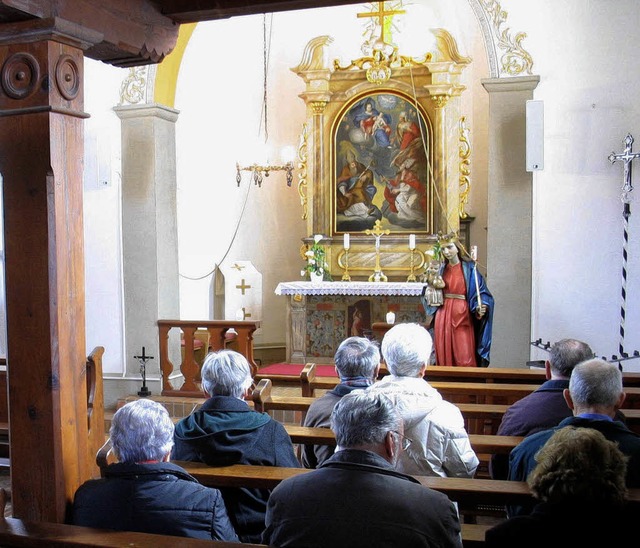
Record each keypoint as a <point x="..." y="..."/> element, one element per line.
<point x="321" y="316"/>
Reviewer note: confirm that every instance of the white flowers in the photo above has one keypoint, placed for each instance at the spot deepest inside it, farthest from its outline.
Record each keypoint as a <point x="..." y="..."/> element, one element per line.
<point x="317" y="238"/>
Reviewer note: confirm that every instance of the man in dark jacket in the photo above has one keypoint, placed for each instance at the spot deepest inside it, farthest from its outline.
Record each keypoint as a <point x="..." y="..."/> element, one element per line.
<point x="225" y="431"/>
<point x="144" y="492"/>
<point x="545" y="407"/>
<point x="356" y="498"/>
<point x="357" y="362"/>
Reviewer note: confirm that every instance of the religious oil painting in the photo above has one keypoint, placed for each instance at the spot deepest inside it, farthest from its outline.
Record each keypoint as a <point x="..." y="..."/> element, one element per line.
<point x="381" y="153"/>
<point x="359" y="318"/>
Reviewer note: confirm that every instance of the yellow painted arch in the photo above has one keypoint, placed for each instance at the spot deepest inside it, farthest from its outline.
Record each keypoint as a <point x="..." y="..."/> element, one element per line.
<point x="167" y="74"/>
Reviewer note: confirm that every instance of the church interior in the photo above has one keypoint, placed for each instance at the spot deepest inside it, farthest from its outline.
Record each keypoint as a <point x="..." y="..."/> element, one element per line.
<point x="151" y="200"/>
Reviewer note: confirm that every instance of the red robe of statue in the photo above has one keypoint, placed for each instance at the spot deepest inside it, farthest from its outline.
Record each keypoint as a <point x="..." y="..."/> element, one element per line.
<point x="454" y="337"/>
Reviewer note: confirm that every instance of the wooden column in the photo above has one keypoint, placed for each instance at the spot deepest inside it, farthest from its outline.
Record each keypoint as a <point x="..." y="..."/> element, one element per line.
<point x="41" y="138"/>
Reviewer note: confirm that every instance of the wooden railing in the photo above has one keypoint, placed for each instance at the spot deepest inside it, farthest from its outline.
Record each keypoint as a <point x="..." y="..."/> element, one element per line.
<point x="219" y="339"/>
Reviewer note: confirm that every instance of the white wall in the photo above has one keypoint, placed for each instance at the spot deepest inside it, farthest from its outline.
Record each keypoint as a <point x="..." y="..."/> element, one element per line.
<point x="103" y="267"/>
<point x="589" y="82"/>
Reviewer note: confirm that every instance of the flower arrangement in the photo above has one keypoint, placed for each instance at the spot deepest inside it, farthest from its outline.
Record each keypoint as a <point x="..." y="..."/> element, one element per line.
<point x="316" y="260"/>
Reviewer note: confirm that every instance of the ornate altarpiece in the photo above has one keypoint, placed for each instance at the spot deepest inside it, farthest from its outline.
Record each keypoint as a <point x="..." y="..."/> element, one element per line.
<point x="427" y="92"/>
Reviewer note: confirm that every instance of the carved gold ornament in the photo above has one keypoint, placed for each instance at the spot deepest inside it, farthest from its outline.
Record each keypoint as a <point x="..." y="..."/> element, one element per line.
<point x="515" y="59"/>
<point x="302" y="167"/>
<point x="464" y="152"/>
<point x="132" y="90"/>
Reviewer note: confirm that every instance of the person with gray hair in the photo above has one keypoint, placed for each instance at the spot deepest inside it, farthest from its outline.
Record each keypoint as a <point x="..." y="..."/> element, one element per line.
<point x="594" y="395"/>
<point x="440" y="445"/>
<point x="225" y="430"/>
<point x="143" y="491"/>
<point x="357" y="362"/>
<point x="545" y="407"/>
<point x="356" y="498"/>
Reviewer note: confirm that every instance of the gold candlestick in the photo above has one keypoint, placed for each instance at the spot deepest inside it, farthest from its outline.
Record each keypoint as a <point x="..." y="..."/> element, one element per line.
<point x="412" y="276"/>
<point x="345" y="276"/>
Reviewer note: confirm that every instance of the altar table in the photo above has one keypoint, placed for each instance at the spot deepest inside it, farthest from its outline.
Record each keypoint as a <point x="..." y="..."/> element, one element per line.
<point x="321" y="315"/>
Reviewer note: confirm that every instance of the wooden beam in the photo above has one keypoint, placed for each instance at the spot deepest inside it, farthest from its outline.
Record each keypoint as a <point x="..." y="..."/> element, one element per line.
<point x="192" y="11"/>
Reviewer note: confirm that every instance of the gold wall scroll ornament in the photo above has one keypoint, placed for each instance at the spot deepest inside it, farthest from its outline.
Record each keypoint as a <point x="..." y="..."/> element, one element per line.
<point x="515" y="59"/>
<point x="302" y="170"/>
<point x="133" y="87"/>
<point x="464" y="152"/>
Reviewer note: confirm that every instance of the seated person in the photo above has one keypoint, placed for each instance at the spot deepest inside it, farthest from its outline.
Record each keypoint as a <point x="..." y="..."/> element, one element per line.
<point x="357" y="364"/>
<point x="143" y="491"/>
<point x="440" y="445"/>
<point x="356" y="498"/>
<point x="546" y="407"/>
<point x="225" y="430"/>
<point x="579" y="485"/>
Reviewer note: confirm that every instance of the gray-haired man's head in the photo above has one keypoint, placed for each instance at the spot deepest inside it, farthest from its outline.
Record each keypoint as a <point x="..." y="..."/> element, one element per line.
<point x="357" y="357"/>
<point x="141" y="431"/>
<point x="566" y="354"/>
<point x="406" y="348"/>
<point x="226" y="373"/>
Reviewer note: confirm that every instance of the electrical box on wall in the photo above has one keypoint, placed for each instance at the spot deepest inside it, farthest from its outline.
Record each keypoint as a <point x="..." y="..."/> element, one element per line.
<point x="535" y="136"/>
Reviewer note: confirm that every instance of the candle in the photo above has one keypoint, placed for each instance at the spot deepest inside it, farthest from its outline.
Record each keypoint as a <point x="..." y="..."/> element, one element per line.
<point x="412" y="241"/>
<point x="391" y="317"/>
<point x="346" y="241"/>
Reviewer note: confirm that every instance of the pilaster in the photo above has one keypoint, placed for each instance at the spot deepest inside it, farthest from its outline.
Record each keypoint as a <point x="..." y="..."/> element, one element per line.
<point x="149" y="232"/>
<point x="509" y="219"/>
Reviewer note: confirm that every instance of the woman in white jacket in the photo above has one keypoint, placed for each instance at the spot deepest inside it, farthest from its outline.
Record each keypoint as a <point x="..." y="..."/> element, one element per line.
<point x="438" y="442"/>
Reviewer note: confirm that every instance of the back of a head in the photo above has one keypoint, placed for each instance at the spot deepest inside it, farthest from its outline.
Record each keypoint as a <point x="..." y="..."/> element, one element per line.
<point x="226" y="373"/>
<point x="566" y="354"/>
<point x="141" y="431"/>
<point x="595" y="383"/>
<point x="406" y="347"/>
<point x="579" y="465"/>
<point x="357" y="357"/>
<point x="363" y="418"/>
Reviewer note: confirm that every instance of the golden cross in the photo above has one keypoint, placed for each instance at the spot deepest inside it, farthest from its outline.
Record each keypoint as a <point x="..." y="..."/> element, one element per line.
<point x="246" y="314"/>
<point x="377" y="232"/>
<point x="242" y="286"/>
<point x="237" y="267"/>
<point x="381" y="14"/>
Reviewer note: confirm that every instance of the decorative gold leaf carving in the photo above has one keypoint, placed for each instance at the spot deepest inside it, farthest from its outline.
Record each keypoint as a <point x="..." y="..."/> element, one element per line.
<point x="515" y="59"/>
<point x="464" y="152"/>
<point x="302" y="167"/>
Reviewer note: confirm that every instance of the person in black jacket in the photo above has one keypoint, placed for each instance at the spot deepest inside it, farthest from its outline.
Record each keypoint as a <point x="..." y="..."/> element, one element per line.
<point x="144" y="492"/>
<point x="356" y="498"/>
<point x="225" y="431"/>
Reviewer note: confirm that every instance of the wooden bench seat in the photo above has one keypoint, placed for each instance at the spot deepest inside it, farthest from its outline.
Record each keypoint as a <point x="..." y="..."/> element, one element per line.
<point x="462" y="490"/>
<point x="18" y="532"/>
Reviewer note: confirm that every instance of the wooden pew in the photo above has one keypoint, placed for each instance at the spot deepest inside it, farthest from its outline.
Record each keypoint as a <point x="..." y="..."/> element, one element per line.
<point x="309" y="381"/>
<point x="481" y="443"/>
<point x="462" y="490"/>
<point x="480" y="418"/>
<point x="461" y="391"/>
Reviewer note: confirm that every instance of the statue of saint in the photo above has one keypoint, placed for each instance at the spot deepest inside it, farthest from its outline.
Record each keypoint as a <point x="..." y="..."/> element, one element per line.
<point x="463" y="322"/>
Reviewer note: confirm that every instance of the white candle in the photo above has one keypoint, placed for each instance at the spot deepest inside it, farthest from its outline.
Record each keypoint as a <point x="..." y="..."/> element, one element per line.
<point x="391" y="317"/>
<point x="412" y="241"/>
<point x="346" y="241"/>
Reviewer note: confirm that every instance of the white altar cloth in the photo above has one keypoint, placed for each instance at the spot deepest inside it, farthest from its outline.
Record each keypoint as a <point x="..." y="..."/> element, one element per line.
<point x="350" y="288"/>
